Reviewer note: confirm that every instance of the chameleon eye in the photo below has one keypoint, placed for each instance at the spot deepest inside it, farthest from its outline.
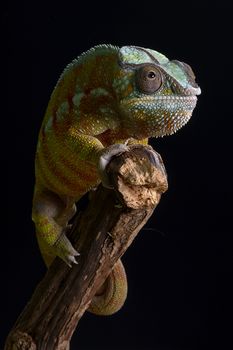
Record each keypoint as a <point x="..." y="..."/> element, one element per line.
<point x="148" y="79"/>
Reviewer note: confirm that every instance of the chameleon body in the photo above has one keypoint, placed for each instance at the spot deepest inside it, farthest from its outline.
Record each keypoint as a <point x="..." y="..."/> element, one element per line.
<point x="103" y="98"/>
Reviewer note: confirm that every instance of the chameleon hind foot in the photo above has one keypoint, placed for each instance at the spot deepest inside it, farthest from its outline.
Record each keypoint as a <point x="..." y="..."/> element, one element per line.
<point x="65" y="250"/>
<point x="51" y="216"/>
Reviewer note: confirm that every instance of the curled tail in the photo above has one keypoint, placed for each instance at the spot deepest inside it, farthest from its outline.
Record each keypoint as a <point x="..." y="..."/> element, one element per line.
<point x="112" y="295"/>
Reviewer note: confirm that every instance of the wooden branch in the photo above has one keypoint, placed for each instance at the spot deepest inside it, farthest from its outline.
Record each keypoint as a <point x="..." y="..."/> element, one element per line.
<point x="102" y="233"/>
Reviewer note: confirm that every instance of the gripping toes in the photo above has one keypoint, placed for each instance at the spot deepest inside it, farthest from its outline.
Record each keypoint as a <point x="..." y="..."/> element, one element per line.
<point x="155" y="159"/>
<point x="65" y="250"/>
<point x="106" y="157"/>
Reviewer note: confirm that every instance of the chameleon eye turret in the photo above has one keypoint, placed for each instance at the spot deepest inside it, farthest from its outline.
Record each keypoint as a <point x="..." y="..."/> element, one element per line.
<point x="148" y="79"/>
<point x="160" y="95"/>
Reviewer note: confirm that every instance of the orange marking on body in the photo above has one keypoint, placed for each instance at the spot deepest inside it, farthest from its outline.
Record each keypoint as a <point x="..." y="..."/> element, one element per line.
<point x="41" y="174"/>
<point x="64" y="185"/>
<point x="88" y="174"/>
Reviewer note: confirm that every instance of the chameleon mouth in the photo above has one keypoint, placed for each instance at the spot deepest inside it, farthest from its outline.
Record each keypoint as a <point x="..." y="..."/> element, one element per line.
<point x="189" y="100"/>
<point x="176" y="97"/>
<point x="162" y="104"/>
<point x="186" y="101"/>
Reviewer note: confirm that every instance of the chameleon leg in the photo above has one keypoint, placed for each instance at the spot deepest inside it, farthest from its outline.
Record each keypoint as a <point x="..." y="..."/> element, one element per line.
<point x="50" y="215"/>
<point x="67" y="213"/>
<point x="112" y="294"/>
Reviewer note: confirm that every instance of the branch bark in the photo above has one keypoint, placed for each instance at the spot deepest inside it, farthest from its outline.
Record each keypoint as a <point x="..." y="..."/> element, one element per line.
<point x="101" y="233"/>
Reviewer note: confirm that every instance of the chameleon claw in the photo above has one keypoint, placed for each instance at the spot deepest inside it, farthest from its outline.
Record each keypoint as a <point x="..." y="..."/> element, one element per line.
<point x="68" y="263"/>
<point x="69" y="260"/>
<point x="65" y="250"/>
<point x="73" y="251"/>
<point x="72" y="259"/>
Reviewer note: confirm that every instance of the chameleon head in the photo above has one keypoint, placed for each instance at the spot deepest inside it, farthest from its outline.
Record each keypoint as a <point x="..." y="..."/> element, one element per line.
<point x="157" y="96"/>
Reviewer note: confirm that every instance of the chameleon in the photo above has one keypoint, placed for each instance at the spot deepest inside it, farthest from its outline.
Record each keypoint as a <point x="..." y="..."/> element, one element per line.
<point x="104" y="98"/>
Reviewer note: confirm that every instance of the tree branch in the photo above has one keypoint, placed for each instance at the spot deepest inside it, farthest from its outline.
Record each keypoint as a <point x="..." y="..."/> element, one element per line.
<point x="101" y="234"/>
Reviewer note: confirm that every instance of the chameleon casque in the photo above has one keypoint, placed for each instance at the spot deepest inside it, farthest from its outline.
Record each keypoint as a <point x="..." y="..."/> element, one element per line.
<point x="103" y="98"/>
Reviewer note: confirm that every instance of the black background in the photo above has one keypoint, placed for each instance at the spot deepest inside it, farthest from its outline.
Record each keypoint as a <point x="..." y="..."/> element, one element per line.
<point x="179" y="275"/>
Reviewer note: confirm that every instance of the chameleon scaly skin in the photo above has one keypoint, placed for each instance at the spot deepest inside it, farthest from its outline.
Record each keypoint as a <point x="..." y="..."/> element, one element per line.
<point x="103" y="98"/>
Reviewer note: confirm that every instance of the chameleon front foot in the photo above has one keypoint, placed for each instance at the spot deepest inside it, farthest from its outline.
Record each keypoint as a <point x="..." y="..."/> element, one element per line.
<point x="106" y="157"/>
<point x="65" y="250"/>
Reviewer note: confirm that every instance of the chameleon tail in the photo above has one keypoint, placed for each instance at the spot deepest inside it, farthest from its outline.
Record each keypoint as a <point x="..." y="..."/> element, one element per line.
<point x="113" y="294"/>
